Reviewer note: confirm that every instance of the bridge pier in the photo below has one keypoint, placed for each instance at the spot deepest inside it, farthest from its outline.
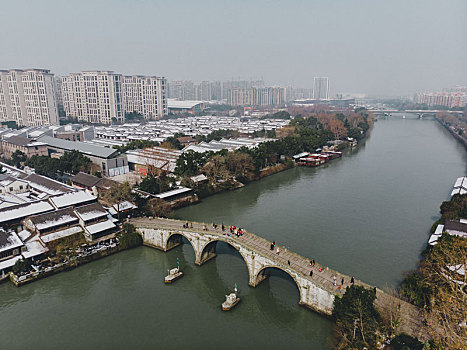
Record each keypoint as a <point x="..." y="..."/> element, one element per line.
<point x="255" y="280"/>
<point x="206" y="254"/>
<point x="173" y="241"/>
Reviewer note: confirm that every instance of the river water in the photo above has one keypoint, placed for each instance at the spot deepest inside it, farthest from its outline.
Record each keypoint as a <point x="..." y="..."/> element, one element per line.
<point x="366" y="214"/>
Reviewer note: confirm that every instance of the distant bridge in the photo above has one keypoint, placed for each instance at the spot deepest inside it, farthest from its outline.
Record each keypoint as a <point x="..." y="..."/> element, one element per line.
<point x="317" y="292"/>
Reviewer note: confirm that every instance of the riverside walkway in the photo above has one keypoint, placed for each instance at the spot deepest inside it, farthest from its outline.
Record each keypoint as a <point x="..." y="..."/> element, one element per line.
<point x="316" y="292"/>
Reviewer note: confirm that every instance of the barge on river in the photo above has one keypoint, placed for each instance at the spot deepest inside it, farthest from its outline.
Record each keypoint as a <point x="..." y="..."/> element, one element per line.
<point x="317" y="159"/>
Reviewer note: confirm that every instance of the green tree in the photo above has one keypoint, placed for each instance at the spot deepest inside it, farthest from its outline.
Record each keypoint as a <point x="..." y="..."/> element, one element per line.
<point x="116" y="194"/>
<point x="357" y="320"/>
<point x="17" y="158"/>
<point x="128" y="237"/>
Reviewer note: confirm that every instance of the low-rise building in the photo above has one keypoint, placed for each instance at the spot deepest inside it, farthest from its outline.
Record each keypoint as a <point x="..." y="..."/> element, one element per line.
<point x="29" y="147"/>
<point x="189" y="107"/>
<point x="92" y="183"/>
<point x="108" y="159"/>
<point x="10" y="184"/>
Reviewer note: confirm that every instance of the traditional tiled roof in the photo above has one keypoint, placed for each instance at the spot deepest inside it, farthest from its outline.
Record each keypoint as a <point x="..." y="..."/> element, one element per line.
<point x="55" y="218"/>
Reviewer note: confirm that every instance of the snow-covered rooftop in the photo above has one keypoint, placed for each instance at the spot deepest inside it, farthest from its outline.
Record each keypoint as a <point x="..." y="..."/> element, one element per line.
<point x="61" y="234"/>
<point x="72" y="198"/>
<point x="24" y="210"/>
<point x="99" y="227"/>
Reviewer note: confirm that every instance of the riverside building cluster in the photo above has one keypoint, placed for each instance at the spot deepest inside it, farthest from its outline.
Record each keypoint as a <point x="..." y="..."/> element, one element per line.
<point x="159" y="130"/>
<point x="37" y="214"/>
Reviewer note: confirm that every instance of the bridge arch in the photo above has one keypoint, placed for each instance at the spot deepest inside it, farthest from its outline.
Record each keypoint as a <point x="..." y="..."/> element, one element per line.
<point x="208" y="251"/>
<point x="175" y="239"/>
<point x="263" y="274"/>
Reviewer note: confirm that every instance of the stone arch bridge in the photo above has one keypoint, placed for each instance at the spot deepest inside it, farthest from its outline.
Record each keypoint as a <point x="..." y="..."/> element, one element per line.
<point x="317" y="292"/>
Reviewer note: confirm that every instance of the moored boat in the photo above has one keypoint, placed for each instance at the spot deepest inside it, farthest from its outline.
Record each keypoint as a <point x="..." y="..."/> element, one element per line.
<point x="174" y="274"/>
<point x="230" y="302"/>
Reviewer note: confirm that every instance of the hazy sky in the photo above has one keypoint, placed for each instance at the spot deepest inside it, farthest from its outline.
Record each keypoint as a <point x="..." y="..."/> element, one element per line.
<point x="379" y="47"/>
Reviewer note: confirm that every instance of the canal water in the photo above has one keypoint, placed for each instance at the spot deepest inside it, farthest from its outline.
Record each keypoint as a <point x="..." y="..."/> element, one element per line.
<point x="367" y="215"/>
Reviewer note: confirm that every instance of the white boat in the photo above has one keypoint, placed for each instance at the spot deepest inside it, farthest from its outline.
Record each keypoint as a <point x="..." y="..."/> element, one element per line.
<point x="403" y="117"/>
<point x="173" y="275"/>
<point x="230" y="302"/>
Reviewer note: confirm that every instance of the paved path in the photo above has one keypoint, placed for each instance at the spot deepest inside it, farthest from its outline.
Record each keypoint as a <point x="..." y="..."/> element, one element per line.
<point x="412" y="316"/>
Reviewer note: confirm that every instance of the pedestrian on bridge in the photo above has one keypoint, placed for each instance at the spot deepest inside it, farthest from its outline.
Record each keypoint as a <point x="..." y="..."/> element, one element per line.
<point x="342" y="281"/>
<point x="352" y="280"/>
<point x="277" y="251"/>
<point x="311" y="273"/>
<point x="334" y="279"/>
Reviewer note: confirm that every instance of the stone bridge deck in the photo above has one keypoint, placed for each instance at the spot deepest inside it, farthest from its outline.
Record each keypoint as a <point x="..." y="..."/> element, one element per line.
<point x="316" y="292"/>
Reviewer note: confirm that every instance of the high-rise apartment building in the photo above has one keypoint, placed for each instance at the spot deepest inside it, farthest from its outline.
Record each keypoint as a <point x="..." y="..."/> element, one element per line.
<point x="146" y="95"/>
<point x="182" y="90"/>
<point x="58" y="90"/>
<point x="256" y="96"/>
<point x="28" y="97"/>
<point x="321" y="88"/>
<point x="93" y="96"/>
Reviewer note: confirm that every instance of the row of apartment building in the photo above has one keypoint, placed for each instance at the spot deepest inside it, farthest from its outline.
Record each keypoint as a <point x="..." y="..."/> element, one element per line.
<point x="246" y="93"/>
<point x="103" y="96"/>
<point x="207" y="90"/>
<point x="31" y="97"/>
<point x="446" y="99"/>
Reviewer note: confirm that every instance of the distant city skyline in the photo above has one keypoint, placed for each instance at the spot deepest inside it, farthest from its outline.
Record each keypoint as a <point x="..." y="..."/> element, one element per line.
<point x="374" y="47"/>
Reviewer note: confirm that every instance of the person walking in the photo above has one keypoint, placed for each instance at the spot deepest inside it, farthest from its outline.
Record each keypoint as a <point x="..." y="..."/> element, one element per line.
<point x="277" y="251"/>
<point x="313" y="262"/>
<point x="311" y="273"/>
<point x="342" y="281"/>
<point x="352" y="280"/>
<point x="334" y="279"/>
<point x="339" y="288"/>
<point x="288" y="262"/>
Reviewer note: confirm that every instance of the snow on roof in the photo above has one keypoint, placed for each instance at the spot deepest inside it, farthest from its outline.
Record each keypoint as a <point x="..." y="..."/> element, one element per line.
<point x="125" y="205"/>
<point x="24" y="235"/>
<point x="92" y="215"/>
<point x="433" y="239"/>
<point x="457" y="233"/>
<point x="62" y="220"/>
<point x="72" y="198"/>
<point x="47" y="185"/>
<point x="459" y="268"/>
<point x="458" y="182"/>
<point x="300" y="155"/>
<point x="24" y="210"/>
<point x="10" y="262"/>
<point x="439" y="230"/>
<point x="9" y="240"/>
<point x="61" y="234"/>
<point x="173" y="192"/>
<point x="198" y="178"/>
<point x="34" y="248"/>
<point x="99" y="227"/>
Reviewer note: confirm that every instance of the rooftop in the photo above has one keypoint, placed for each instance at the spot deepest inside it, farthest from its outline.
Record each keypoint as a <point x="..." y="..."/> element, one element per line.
<point x="21" y="211"/>
<point x="73" y="198"/>
<point x="9" y="240"/>
<point x="55" y="218"/>
<point x="83" y="147"/>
